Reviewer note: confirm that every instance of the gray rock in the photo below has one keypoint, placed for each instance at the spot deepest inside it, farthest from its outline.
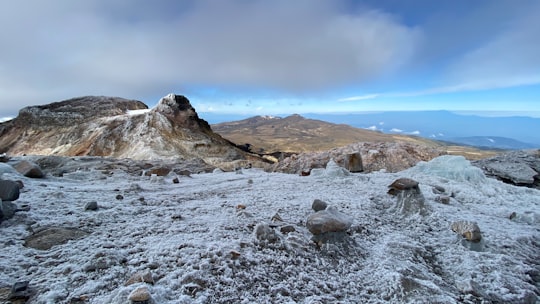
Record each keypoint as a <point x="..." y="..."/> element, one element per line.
<point x="263" y="232"/>
<point x="9" y="190"/>
<point x="443" y="199"/>
<point x="520" y="168"/>
<point x="93" y="205"/>
<point x="7" y="210"/>
<point x="20" y="291"/>
<point x="29" y="169"/>
<point x="318" y="205"/>
<point x="329" y="220"/>
<point x="49" y="237"/>
<point x="141" y="295"/>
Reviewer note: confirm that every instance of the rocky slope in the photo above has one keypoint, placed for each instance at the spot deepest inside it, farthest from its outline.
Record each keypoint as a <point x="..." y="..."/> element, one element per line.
<point x="116" y="127"/>
<point x="296" y="134"/>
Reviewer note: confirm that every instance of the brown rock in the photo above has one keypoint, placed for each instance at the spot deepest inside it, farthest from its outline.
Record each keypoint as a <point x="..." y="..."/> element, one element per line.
<point x="329" y="220"/>
<point x="402" y="184"/>
<point x="353" y="162"/>
<point x="49" y="237"/>
<point x="29" y="169"/>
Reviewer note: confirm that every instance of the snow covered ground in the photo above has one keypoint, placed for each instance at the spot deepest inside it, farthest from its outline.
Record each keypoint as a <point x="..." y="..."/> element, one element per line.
<point x="196" y="239"/>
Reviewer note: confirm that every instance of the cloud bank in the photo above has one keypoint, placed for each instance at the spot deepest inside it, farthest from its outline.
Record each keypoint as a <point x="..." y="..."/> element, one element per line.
<point x="60" y="49"/>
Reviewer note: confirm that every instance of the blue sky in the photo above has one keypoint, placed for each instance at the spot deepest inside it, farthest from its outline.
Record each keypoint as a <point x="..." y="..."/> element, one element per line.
<point x="276" y="57"/>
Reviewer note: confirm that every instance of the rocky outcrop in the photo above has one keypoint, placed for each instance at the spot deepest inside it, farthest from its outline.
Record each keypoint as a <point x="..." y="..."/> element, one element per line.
<point x="116" y="127"/>
<point x="392" y="157"/>
<point x="520" y="168"/>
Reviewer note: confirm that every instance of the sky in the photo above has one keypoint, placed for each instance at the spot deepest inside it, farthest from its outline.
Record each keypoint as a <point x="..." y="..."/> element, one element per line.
<point x="275" y="57"/>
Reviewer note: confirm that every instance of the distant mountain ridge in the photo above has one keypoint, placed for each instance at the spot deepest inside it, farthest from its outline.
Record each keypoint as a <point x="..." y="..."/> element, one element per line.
<point x="513" y="132"/>
<point x="295" y="133"/>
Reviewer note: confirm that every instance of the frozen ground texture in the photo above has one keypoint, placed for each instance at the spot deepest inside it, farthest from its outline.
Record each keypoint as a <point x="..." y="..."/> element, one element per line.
<point x="197" y="238"/>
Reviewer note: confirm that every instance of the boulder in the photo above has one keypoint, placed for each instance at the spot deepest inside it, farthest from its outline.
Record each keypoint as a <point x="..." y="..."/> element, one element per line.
<point x="402" y="184"/>
<point x="467" y="229"/>
<point x="29" y="169"/>
<point x="328" y="220"/>
<point x="9" y="190"/>
<point x="520" y="168"/>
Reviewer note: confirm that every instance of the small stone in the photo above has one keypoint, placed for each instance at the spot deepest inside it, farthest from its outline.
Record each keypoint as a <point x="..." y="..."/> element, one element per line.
<point x="140" y="295"/>
<point x="93" y="205"/>
<point x="305" y="173"/>
<point x="240" y="206"/>
<point x="235" y="254"/>
<point x="512" y="215"/>
<point x="176" y="180"/>
<point x="141" y="276"/>
<point x="287" y="229"/>
<point x="7" y="210"/>
<point x="119" y="197"/>
<point x="318" y="205"/>
<point x="467" y="229"/>
<point x="443" y="199"/>
<point x="329" y="220"/>
<point x="29" y="169"/>
<point x="438" y="190"/>
<point x="9" y="190"/>
<point x="353" y="162"/>
<point x="20" y="291"/>
<point x="263" y="232"/>
<point x="158" y="171"/>
<point x="276" y="218"/>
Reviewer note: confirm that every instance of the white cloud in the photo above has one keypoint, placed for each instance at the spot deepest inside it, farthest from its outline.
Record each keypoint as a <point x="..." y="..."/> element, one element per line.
<point x="372" y="128"/>
<point x="359" y="97"/>
<point x="58" y="49"/>
<point x="396" y="130"/>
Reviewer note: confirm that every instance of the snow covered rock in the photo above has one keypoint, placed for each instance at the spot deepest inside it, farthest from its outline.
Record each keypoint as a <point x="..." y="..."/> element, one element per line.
<point x="469" y="230"/>
<point x="141" y="276"/>
<point x="409" y="197"/>
<point x="328" y="220"/>
<point x="29" y="169"/>
<point x="263" y="232"/>
<point x="332" y="170"/>
<point x="9" y="190"/>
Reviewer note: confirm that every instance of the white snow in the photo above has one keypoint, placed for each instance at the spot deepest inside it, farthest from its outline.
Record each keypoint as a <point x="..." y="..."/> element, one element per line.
<point x="189" y="235"/>
<point x="138" y="112"/>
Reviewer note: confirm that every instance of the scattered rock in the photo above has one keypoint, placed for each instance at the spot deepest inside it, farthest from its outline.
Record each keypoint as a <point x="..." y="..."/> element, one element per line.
<point x="20" y="291"/>
<point x="176" y="180"/>
<point x="438" y="190"/>
<point x="443" y="199"/>
<point x="141" y="295"/>
<point x="328" y="220"/>
<point x="240" y="206"/>
<point x="467" y="229"/>
<point x="158" y="171"/>
<point x="4" y="158"/>
<point x="512" y="215"/>
<point x="287" y="229"/>
<point x="9" y="190"/>
<point x="7" y="210"/>
<point x="141" y="276"/>
<point x="29" y="169"/>
<point x="263" y="232"/>
<point x="119" y="197"/>
<point x="92" y="206"/>
<point x="235" y="254"/>
<point x="318" y="205"/>
<point x="49" y="237"/>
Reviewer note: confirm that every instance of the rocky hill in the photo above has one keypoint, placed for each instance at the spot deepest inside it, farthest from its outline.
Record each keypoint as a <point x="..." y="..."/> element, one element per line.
<point x="116" y="127"/>
<point x="267" y="134"/>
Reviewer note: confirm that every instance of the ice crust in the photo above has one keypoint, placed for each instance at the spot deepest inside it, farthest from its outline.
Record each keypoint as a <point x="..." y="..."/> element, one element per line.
<point x="185" y="235"/>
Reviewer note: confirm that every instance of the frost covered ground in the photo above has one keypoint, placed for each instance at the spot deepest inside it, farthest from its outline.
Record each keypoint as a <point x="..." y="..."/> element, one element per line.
<point x="196" y="239"/>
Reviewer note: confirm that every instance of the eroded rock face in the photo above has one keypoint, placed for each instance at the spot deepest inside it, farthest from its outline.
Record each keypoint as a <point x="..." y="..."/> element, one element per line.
<point x="520" y="168"/>
<point x="392" y="157"/>
<point x="106" y="126"/>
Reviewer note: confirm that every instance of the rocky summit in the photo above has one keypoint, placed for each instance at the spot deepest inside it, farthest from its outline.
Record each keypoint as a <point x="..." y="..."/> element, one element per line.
<point x="116" y="127"/>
